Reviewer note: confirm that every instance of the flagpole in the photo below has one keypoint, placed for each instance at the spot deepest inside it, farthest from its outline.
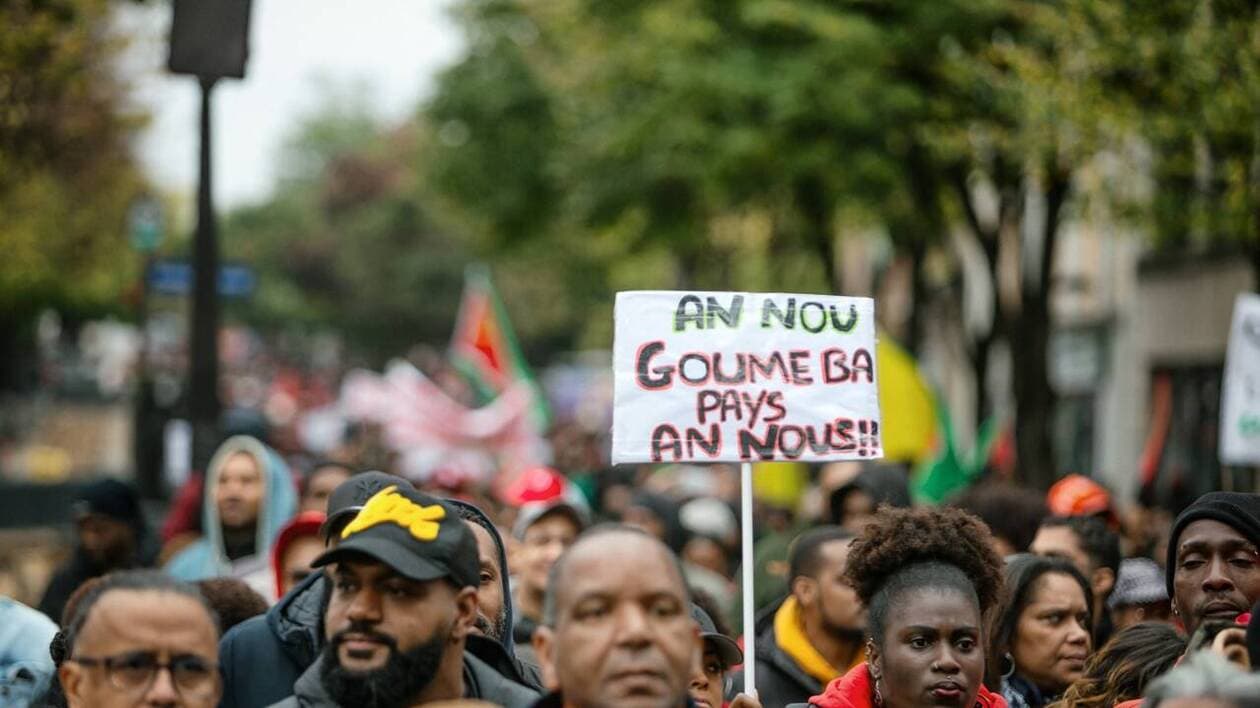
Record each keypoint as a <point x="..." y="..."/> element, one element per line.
<point x="746" y="551"/>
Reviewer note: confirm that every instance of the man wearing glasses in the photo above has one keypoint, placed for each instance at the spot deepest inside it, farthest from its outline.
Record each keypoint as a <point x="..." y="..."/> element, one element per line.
<point x="141" y="638"/>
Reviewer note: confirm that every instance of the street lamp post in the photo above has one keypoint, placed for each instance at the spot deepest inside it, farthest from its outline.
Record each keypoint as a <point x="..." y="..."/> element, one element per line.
<point x="209" y="40"/>
<point x="146" y="233"/>
<point x="203" y="389"/>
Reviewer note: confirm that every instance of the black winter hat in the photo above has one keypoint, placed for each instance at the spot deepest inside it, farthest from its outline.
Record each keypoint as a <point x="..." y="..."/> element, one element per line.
<point x="1238" y="510"/>
<point x="111" y="498"/>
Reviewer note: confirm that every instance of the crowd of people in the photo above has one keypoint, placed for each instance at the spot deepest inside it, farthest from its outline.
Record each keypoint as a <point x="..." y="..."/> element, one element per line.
<point x="344" y="587"/>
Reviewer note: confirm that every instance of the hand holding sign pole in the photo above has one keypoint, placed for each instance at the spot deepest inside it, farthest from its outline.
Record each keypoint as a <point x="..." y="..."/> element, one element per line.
<point x="744" y="377"/>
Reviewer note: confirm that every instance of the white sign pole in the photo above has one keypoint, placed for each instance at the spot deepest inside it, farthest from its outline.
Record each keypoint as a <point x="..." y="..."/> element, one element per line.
<point x="746" y="552"/>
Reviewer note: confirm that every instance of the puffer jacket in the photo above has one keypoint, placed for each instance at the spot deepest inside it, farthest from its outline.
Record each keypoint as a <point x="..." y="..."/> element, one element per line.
<point x="286" y="640"/>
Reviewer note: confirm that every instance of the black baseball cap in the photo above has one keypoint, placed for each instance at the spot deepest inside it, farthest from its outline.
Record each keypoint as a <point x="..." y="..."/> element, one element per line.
<point x="725" y="647"/>
<point x="349" y="497"/>
<point x="420" y="536"/>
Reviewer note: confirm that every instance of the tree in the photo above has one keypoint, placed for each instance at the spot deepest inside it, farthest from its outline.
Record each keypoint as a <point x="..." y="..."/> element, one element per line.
<point x="346" y="242"/>
<point x="67" y="175"/>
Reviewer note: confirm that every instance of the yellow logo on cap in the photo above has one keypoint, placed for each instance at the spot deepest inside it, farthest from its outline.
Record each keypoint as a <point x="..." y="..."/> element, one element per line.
<point x="388" y="506"/>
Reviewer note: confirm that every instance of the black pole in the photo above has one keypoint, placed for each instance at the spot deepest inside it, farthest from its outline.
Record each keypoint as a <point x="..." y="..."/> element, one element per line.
<point x="148" y="432"/>
<point x="203" y="398"/>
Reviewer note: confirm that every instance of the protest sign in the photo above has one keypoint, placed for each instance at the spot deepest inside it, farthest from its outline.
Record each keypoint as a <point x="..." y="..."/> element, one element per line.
<point x="744" y="377"/>
<point x="1240" y="392"/>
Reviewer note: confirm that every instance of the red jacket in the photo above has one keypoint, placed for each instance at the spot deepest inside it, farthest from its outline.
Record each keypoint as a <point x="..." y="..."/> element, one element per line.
<point x="853" y="690"/>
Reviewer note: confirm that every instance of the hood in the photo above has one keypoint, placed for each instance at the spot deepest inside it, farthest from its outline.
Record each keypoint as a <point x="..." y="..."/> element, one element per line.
<point x="307" y="523"/>
<point x="298" y="619"/>
<point x="477" y="516"/>
<point x="279" y="502"/>
<point x="309" y="690"/>
<point x="853" y="690"/>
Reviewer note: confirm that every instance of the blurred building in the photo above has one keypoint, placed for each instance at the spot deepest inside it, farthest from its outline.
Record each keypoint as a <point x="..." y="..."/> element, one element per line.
<point x="1136" y="355"/>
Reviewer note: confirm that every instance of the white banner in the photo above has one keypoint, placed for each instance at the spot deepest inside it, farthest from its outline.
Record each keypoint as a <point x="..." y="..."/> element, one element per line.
<point x="744" y="377"/>
<point x="1240" y="394"/>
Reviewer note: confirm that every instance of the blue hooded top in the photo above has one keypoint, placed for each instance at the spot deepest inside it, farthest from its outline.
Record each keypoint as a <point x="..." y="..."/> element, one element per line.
<point x="206" y="557"/>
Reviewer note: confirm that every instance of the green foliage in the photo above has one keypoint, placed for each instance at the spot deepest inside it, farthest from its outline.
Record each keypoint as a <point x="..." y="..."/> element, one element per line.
<point x="67" y="175"/>
<point x="346" y="242"/>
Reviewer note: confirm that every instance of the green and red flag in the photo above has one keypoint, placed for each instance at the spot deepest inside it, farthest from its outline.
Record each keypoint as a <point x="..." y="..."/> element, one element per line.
<point x="484" y="347"/>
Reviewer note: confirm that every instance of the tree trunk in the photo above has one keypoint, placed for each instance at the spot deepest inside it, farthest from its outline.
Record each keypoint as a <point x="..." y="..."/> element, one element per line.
<point x="980" y="368"/>
<point x="981" y="345"/>
<point x="18" y="367"/>
<point x="1035" y="398"/>
<point x="929" y="228"/>
<point x="918" y="296"/>
<point x="811" y="199"/>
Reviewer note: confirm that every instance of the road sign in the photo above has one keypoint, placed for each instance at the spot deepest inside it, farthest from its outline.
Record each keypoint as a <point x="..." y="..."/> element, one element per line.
<point x="176" y="278"/>
<point x="145" y="220"/>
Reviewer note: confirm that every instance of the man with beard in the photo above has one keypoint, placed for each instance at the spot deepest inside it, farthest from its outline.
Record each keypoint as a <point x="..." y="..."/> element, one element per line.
<point x="1213" y="570"/>
<point x="111" y="536"/>
<point x="492" y="640"/>
<point x="815" y="634"/>
<point x="402" y="605"/>
<point x="290" y="636"/>
<point x="617" y="627"/>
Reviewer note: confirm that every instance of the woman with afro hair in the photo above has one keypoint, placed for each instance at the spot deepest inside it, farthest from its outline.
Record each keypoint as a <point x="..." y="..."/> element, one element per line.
<point x="927" y="577"/>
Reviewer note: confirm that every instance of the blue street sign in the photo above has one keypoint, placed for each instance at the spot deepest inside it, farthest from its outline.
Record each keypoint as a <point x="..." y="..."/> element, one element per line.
<point x="176" y="278"/>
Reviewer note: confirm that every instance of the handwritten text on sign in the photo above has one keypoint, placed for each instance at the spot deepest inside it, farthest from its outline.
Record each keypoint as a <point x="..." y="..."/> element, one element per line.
<point x="705" y="376"/>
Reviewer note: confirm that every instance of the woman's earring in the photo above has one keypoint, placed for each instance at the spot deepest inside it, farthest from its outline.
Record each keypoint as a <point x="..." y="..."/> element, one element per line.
<point x="879" y="699"/>
<point x="1010" y="670"/>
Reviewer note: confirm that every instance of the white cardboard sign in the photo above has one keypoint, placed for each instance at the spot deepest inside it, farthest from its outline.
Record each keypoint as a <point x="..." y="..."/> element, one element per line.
<point x="1240" y="394"/>
<point x="744" y="377"/>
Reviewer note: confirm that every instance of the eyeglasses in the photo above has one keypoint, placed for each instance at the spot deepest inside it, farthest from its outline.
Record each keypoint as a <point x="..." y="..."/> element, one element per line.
<point x="135" y="671"/>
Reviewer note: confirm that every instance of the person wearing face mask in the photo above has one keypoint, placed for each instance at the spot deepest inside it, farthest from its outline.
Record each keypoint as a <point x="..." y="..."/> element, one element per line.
<point x="927" y="578"/>
<point x="1040" y="641"/>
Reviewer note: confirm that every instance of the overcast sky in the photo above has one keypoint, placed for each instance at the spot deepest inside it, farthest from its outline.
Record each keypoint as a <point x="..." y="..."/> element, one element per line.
<point x="297" y="49"/>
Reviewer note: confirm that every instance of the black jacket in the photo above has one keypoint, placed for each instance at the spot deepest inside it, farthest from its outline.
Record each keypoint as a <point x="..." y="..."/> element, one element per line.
<point x="282" y="643"/>
<point x="288" y="639"/>
<point x="480" y="682"/>
<point x="64" y="582"/>
<point x="80" y="569"/>
<point x="780" y="681"/>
